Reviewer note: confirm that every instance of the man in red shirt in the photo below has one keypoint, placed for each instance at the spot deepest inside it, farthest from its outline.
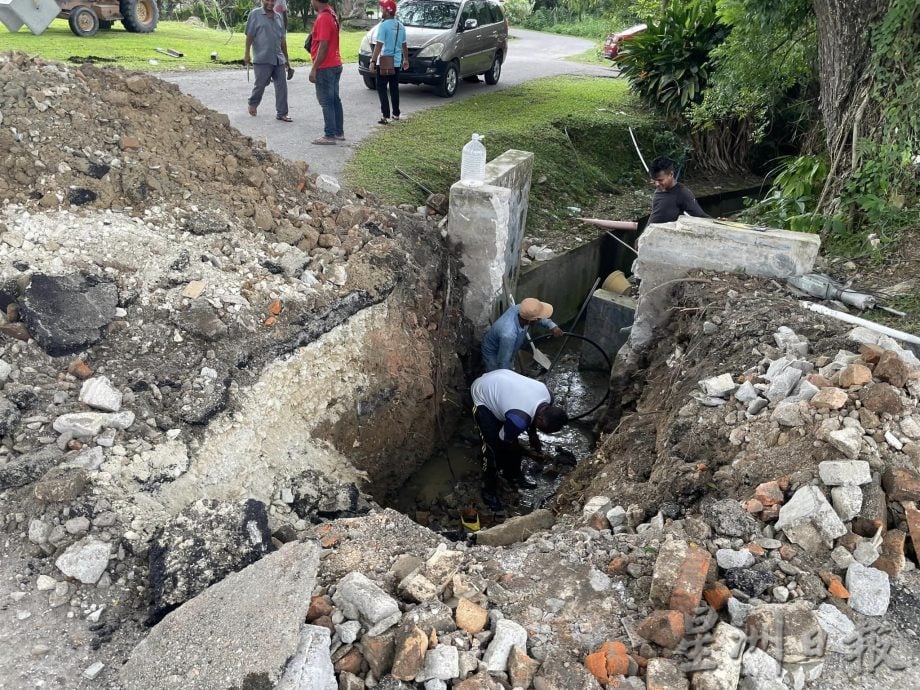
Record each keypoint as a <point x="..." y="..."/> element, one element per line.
<point x="327" y="71"/>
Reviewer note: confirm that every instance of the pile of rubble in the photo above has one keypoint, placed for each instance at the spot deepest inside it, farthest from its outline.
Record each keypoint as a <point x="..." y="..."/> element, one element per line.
<point x="206" y="353"/>
<point x="187" y="320"/>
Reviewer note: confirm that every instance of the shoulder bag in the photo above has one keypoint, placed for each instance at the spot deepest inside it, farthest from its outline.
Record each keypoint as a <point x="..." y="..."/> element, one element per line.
<point x="387" y="64"/>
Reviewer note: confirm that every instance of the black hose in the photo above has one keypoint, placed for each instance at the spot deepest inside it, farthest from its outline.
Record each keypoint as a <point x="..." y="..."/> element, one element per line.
<point x="603" y="354"/>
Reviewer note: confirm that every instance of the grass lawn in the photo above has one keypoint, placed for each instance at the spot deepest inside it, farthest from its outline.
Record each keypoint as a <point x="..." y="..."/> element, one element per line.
<point x="135" y="51"/>
<point x="592" y="56"/>
<point x="575" y="126"/>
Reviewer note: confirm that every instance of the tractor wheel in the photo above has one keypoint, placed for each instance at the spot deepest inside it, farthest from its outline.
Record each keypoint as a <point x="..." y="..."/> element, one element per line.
<point x="83" y="21"/>
<point x="370" y="82"/>
<point x="139" y="16"/>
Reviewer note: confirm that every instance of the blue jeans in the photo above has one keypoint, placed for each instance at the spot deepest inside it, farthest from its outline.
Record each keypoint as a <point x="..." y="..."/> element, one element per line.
<point x="327" y="93"/>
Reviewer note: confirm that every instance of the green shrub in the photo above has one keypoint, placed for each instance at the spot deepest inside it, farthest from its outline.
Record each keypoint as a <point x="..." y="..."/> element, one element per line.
<point x="791" y="202"/>
<point x="668" y="64"/>
<point x="518" y="11"/>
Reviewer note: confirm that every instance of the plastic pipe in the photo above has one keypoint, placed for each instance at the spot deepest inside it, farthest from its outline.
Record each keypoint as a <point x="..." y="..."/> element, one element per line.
<point x="855" y="320"/>
<point x="612" y="224"/>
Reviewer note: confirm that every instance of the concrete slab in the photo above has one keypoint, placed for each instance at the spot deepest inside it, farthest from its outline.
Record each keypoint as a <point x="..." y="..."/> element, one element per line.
<point x="669" y="251"/>
<point x="35" y="14"/>
<point x="706" y="243"/>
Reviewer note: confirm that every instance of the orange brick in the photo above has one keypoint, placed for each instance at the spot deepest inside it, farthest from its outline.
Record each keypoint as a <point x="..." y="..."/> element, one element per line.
<point x="688" y="586"/>
<point x="892" y="558"/>
<point x="717" y="595"/>
<point x="80" y="369"/>
<point x="769" y="494"/>
<point x="319" y="606"/>
<point x="598" y="521"/>
<point x="827" y="576"/>
<point x="755" y="549"/>
<point x="786" y="552"/>
<point x="325" y="622"/>
<point x="770" y="514"/>
<point x="664" y="628"/>
<point x="837" y="589"/>
<point x="618" y="565"/>
<point x="913" y="525"/>
<point x="274" y="307"/>
<point x="323" y="529"/>
<point x="330" y="540"/>
<point x="351" y="662"/>
<point x="270" y="321"/>
<point x="819" y="381"/>
<point x="849" y="541"/>
<point x="870" y="353"/>
<point x="596" y="663"/>
<point x="752" y="505"/>
<point x="617" y="659"/>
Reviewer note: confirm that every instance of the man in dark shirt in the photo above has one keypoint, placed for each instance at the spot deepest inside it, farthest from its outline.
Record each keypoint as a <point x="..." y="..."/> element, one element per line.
<point x="671" y="198"/>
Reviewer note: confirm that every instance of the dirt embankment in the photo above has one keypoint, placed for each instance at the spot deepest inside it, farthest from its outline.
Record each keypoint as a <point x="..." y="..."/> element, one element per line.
<point x="668" y="448"/>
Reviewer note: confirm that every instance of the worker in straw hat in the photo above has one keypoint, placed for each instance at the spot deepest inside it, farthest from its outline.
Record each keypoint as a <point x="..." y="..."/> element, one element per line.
<point x="508" y="333"/>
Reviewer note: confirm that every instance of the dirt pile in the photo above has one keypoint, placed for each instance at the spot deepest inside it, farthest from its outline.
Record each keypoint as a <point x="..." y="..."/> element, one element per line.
<point x="791" y="444"/>
<point x="185" y="317"/>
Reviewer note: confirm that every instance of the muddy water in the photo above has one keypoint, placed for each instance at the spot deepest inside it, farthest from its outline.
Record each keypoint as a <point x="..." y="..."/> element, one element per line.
<point x="451" y="480"/>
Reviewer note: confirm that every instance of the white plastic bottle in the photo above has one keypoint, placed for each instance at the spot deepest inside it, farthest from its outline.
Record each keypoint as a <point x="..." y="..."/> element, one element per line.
<point x="473" y="162"/>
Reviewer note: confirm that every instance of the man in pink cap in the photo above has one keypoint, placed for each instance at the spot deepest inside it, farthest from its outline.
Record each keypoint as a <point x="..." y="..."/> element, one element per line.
<point x="391" y="54"/>
<point x="506" y="337"/>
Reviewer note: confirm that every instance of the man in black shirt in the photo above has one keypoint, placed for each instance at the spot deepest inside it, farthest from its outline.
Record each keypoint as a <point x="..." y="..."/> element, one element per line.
<point x="671" y="198"/>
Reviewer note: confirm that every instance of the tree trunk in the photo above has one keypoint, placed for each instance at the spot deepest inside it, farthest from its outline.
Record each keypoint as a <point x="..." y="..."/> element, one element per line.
<point x="843" y="48"/>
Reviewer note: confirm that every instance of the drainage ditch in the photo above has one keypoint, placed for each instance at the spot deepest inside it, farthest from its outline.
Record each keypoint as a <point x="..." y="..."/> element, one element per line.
<point x="447" y="486"/>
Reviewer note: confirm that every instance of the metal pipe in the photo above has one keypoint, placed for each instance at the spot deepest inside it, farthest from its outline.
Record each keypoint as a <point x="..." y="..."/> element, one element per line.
<point x="414" y="181"/>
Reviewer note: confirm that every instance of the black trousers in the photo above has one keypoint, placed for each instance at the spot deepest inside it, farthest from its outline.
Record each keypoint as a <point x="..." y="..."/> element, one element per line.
<point x="390" y="82"/>
<point x="498" y="456"/>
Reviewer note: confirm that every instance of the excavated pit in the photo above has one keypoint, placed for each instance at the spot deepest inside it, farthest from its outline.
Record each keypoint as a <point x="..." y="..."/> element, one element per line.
<point x="449" y="482"/>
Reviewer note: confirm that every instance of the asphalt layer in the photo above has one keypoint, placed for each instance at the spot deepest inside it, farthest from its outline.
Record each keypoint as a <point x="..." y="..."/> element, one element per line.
<point x="531" y="55"/>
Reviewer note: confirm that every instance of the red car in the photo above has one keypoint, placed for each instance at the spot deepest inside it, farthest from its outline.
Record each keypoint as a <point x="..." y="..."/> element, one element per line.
<point x="612" y="44"/>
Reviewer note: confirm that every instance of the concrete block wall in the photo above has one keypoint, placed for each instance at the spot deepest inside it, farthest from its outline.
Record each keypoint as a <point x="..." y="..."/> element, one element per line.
<point x="669" y="251"/>
<point x="489" y="222"/>
<point x="606" y="315"/>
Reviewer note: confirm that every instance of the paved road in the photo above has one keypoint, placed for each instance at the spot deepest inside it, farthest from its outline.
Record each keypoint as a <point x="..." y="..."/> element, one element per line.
<point x="530" y="55"/>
